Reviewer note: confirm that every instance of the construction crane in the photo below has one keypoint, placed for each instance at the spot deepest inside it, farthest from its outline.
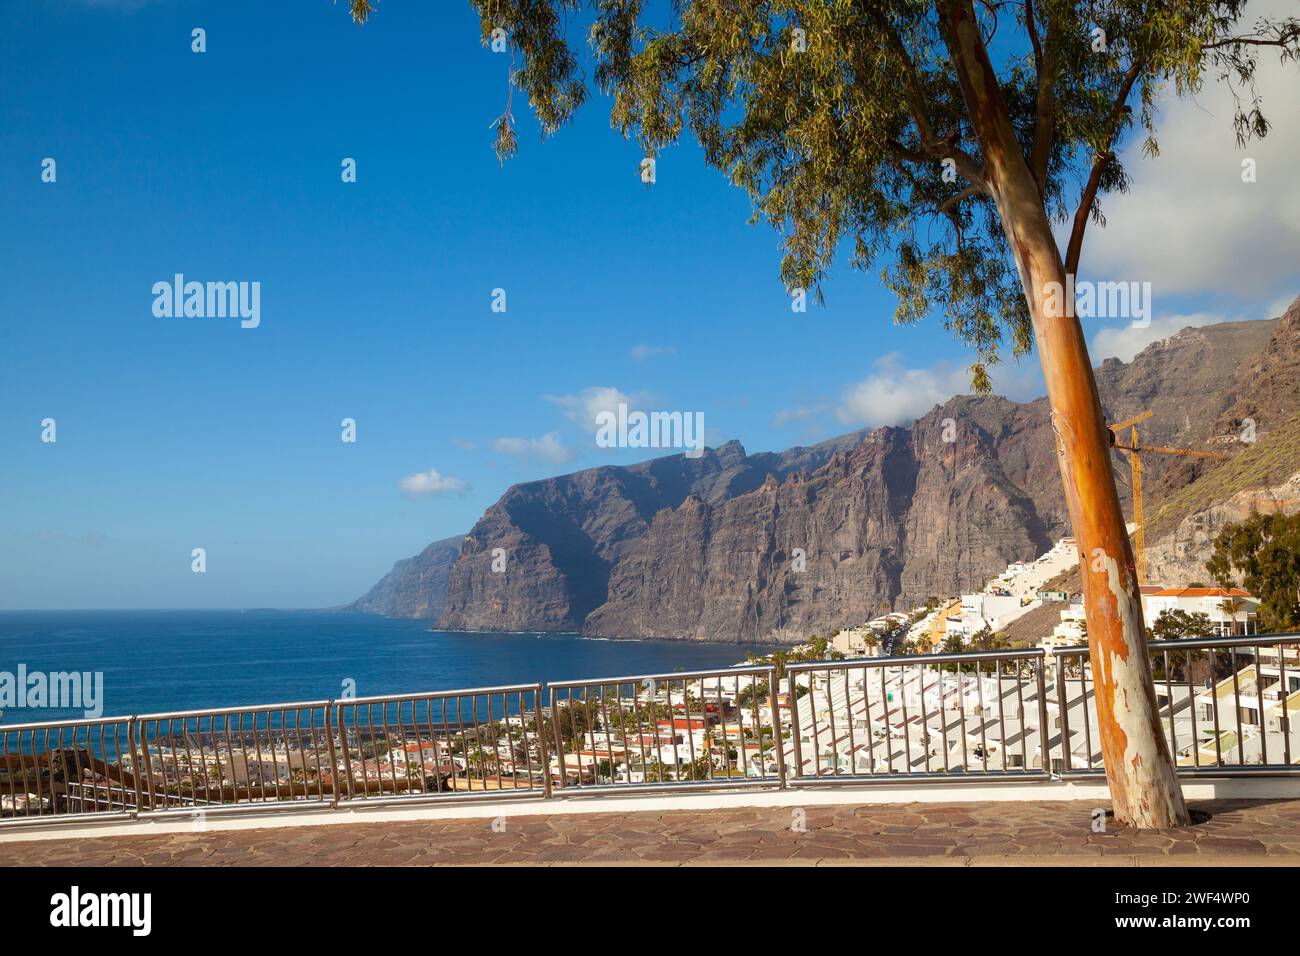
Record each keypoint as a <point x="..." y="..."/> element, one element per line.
<point x="1135" y="450"/>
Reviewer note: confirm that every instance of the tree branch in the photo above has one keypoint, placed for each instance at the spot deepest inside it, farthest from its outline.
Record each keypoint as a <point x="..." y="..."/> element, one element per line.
<point x="934" y="146"/>
<point x="1045" y="64"/>
<point x="1104" y="156"/>
<point x="1031" y="26"/>
<point x="972" y="190"/>
<point x="1288" y="34"/>
<point x="903" y="152"/>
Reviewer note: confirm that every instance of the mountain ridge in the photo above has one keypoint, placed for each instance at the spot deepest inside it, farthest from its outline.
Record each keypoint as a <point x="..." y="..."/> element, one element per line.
<point x="704" y="549"/>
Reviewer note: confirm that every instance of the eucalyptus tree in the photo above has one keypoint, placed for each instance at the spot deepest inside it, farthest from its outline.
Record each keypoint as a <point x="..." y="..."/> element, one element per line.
<point x="1264" y="553"/>
<point x="941" y="140"/>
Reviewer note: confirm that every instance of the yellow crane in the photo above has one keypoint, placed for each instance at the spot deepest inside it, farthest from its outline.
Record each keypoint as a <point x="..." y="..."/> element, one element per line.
<point x="1135" y="450"/>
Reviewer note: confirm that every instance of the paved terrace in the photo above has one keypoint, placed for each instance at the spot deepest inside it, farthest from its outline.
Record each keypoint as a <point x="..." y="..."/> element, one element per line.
<point x="1243" y="832"/>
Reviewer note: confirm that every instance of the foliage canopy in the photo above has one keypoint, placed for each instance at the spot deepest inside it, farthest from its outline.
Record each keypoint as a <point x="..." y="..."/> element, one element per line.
<point x="1264" y="553"/>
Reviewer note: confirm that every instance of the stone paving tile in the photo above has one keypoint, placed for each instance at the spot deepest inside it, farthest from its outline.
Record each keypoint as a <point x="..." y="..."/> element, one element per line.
<point x="1229" y="831"/>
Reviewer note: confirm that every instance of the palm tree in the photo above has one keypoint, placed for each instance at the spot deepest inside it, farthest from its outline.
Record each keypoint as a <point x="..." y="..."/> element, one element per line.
<point x="1230" y="605"/>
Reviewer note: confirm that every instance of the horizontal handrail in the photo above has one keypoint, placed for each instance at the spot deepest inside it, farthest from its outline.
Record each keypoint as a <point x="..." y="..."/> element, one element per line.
<point x="742" y="670"/>
<point x="78" y="722"/>
<point x="436" y="694"/>
<point x="1027" y="653"/>
<point x="1198" y="643"/>
<point x="231" y="711"/>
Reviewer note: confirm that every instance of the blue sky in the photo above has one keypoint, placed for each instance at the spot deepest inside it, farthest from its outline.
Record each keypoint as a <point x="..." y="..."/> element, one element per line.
<point x="176" y="433"/>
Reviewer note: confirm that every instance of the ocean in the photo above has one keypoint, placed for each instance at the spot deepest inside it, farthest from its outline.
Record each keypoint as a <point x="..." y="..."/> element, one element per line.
<point x="186" y="660"/>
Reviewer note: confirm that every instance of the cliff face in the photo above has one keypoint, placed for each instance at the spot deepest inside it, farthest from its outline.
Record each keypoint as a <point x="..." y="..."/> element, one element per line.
<point x="1264" y="474"/>
<point x="894" y="515"/>
<point x="561" y="538"/>
<point x="1190" y="381"/>
<point x="706" y="548"/>
<point x="1269" y="384"/>
<point x="416" y="587"/>
<point x="1181" y="554"/>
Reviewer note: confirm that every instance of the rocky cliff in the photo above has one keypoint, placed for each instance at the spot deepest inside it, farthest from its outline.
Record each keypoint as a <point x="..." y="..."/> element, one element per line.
<point x="560" y="539"/>
<point x="1262" y="429"/>
<point x="415" y="587"/>
<point x="898" y="513"/>
<point x="1268" y="387"/>
<point x="775" y="546"/>
<point x="1180" y="554"/>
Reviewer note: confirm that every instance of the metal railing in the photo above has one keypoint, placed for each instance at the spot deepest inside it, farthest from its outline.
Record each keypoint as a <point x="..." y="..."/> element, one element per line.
<point x="923" y="715"/>
<point x="466" y="742"/>
<point x="1225" y="704"/>
<point x="1229" y="707"/>
<point x="73" y="768"/>
<point x="703" y="728"/>
<point x="198" y="760"/>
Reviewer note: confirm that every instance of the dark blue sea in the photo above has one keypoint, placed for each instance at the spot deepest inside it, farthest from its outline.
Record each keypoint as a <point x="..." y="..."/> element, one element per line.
<point x="183" y="660"/>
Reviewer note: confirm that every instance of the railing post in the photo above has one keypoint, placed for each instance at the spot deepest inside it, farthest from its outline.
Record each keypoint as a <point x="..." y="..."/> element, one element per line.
<point x="543" y="754"/>
<point x="347" y="757"/>
<point x="333" y="756"/>
<point x="776" y="727"/>
<point x="135" y="762"/>
<point x="1044" y="737"/>
<point x="1063" y="702"/>
<point x="1286" y="719"/>
<point x="148" y="763"/>
<point x="794" y="723"/>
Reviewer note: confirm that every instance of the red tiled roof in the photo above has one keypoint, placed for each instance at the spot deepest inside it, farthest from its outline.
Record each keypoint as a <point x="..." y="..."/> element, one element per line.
<point x="1203" y="592"/>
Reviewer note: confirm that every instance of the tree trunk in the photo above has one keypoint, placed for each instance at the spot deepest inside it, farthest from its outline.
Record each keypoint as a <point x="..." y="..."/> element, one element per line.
<point x="1143" y="784"/>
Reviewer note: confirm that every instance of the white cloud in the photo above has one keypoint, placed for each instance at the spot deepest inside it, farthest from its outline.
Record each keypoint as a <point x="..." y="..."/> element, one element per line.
<point x="644" y="353"/>
<point x="1020" y="381"/>
<point x="1189" y="224"/>
<point x="1127" y="341"/>
<point x="431" y="482"/>
<point x="894" y="395"/>
<point x="547" y="448"/>
<point x="583" y="407"/>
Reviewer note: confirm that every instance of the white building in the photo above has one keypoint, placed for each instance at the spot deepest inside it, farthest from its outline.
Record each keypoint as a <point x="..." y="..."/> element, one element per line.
<point x="852" y="641"/>
<point x="1013" y="593"/>
<point x="1230" y="610"/>
<point x="982" y="610"/>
